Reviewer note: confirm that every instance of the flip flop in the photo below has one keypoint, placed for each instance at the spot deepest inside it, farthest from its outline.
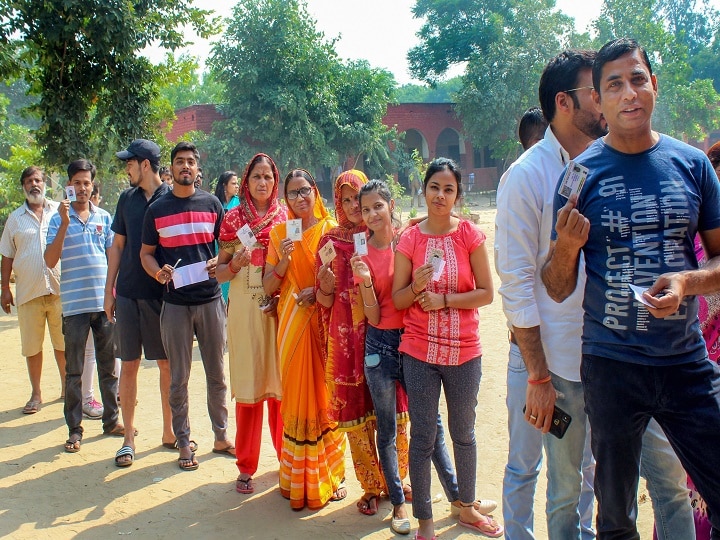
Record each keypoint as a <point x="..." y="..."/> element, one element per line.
<point x="229" y="450"/>
<point x="174" y="446"/>
<point x="31" y="407"/>
<point x="125" y="451"/>
<point x="407" y="492"/>
<point x="368" y="505"/>
<point x="191" y="463"/>
<point x="486" y="526"/>
<point x="244" y="486"/>
<point x="72" y="445"/>
<point x="340" y="493"/>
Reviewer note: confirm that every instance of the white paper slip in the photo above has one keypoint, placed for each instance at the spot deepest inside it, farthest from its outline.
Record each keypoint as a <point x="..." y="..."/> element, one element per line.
<point x="327" y="252"/>
<point x="574" y="179"/>
<point x="70" y="192"/>
<point x="246" y="236"/>
<point x="189" y="274"/>
<point x="360" y="243"/>
<point x="438" y="263"/>
<point x="638" y="293"/>
<point x="294" y="229"/>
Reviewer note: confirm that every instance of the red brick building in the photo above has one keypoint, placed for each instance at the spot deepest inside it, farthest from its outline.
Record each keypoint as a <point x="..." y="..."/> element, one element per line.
<point x="431" y="128"/>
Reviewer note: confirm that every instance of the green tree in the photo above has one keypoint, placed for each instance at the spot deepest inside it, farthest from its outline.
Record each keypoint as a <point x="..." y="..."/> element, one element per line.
<point x="286" y="92"/>
<point x="505" y="45"/>
<point x="440" y="92"/>
<point x="672" y="32"/>
<point x="187" y="87"/>
<point x="80" y="57"/>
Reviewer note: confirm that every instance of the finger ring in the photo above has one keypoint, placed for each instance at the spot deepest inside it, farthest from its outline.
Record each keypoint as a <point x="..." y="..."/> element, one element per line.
<point x="533" y="417"/>
<point x="299" y="303"/>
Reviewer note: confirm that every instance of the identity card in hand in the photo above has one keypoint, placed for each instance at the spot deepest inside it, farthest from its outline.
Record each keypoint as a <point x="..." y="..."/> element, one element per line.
<point x="574" y="179"/>
<point x="70" y="192"/>
<point x="638" y="293"/>
<point x="360" y="243"/>
<point x="246" y="236"/>
<point x="294" y="229"/>
<point x="438" y="263"/>
<point x="327" y="252"/>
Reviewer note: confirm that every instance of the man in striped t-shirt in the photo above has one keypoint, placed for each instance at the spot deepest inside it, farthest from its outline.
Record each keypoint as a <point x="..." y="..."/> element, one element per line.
<point x="178" y="250"/>
<point x="79" y="235"/>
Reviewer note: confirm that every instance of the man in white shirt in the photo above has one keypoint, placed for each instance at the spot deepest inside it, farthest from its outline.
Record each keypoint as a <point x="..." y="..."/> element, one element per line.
<point x="546" y="336"/>
<point x="37" y="287"/>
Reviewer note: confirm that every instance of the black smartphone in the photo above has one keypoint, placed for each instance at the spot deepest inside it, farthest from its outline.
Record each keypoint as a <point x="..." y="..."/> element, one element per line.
<point x="560" y="422"/>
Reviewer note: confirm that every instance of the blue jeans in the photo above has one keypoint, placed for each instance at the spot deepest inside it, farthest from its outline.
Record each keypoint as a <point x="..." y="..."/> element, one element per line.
<point x="76" y="329"/>
<point x="382" y="378"/>
<point x="460" y="384"/>
<point x="621" y="398"/>
<point x="525" y="459"/>
<point x="667" y="485"/>
<point x="564" y="463"/>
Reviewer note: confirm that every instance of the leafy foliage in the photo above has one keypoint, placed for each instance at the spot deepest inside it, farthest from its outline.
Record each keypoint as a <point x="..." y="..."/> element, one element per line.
<point x="440" y="92"/>
<point x="81" y="58"/>
<point x="506" y="44"/>
<point x="673" y="33"/>
<point x="286" y="92"/>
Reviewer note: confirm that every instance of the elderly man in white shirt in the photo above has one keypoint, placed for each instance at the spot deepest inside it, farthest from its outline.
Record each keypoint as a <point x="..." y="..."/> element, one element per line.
<point x="37" y="287"/>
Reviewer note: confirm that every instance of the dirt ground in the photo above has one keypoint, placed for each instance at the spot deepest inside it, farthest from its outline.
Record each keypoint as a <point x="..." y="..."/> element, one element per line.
<point x="45" y="492"/>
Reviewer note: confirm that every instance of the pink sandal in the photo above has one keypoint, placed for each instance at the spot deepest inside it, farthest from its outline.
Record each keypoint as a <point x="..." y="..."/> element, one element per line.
<point x="486" y="526"/>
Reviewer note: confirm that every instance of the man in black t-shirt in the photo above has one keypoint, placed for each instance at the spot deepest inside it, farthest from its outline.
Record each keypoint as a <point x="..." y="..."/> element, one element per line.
<point x="139" y="297"/>
<point x="178" y="250"/>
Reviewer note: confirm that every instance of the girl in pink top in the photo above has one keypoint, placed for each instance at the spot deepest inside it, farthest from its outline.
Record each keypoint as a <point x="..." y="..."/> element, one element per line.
<point x="442" y="275"/>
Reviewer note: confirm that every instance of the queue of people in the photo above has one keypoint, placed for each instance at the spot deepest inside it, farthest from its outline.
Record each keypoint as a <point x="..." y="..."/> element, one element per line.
<point x="349" y="328"/>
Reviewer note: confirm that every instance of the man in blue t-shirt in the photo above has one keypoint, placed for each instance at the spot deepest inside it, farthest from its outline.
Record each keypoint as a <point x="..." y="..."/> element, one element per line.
<point x="178" y="250"/>
<point x="645" y="198"/>
<point x="79" y="236"/>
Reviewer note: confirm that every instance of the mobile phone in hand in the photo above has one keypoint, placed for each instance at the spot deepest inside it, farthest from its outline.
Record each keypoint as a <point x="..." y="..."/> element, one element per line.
<point x="560" y="422"/>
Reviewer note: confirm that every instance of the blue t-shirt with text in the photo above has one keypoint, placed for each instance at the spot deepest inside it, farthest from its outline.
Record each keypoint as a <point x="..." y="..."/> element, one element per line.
<point x="644" y="211"/>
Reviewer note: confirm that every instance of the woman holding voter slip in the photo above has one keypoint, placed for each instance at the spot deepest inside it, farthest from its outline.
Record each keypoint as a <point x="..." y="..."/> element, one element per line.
<point x="252" y="321"/>
<point x="343" y="337"/>
<point x="442" y="275"/>
<point x="312" y="464"/>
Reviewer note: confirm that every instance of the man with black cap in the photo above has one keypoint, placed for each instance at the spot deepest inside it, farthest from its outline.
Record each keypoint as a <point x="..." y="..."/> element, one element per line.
<point x="139" y="297"/>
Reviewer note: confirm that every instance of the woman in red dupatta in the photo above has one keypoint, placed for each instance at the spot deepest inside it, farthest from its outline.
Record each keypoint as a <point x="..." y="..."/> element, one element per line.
<point x="252" y="321"/>
<point x="312" y="464"/>
<point x="343" y="333"/>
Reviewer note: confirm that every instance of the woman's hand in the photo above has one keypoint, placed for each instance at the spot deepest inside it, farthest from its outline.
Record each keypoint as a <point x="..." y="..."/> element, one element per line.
<point x="240" y="259"/>
<point x="287" y="246"/>
<point x="423" y="275"/>
<point x="305" y="297"/>
<point x="326" y="279"/>
<point x="270" y="309"/>
<point x="430" y="301"/>
<point x="360" y="269"/>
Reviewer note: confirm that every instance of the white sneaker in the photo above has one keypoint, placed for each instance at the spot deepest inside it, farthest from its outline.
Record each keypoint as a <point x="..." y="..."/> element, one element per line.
<point x="93" y="409"/>
<point x="484" y="506"/>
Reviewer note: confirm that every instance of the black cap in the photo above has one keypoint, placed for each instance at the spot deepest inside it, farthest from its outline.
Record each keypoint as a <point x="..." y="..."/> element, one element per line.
<point x="141" y="149"/>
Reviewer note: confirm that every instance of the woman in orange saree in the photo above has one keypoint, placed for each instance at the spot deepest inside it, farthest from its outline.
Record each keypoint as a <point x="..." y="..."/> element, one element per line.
<point x="312" y="465"/>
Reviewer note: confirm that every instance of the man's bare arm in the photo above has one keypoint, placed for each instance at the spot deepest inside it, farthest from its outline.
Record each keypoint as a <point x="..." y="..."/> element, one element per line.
<point x="560" y="271"/>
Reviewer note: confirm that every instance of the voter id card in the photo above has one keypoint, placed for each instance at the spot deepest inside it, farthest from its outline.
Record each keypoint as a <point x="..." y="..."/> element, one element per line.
<point x="360" y="243"/>
<point x="294" y="229"/>
<point x="327" y="252"/>
<point x="573" y="181"/>
<point x="438" y="263"/>
<point x="246" y="236"/>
